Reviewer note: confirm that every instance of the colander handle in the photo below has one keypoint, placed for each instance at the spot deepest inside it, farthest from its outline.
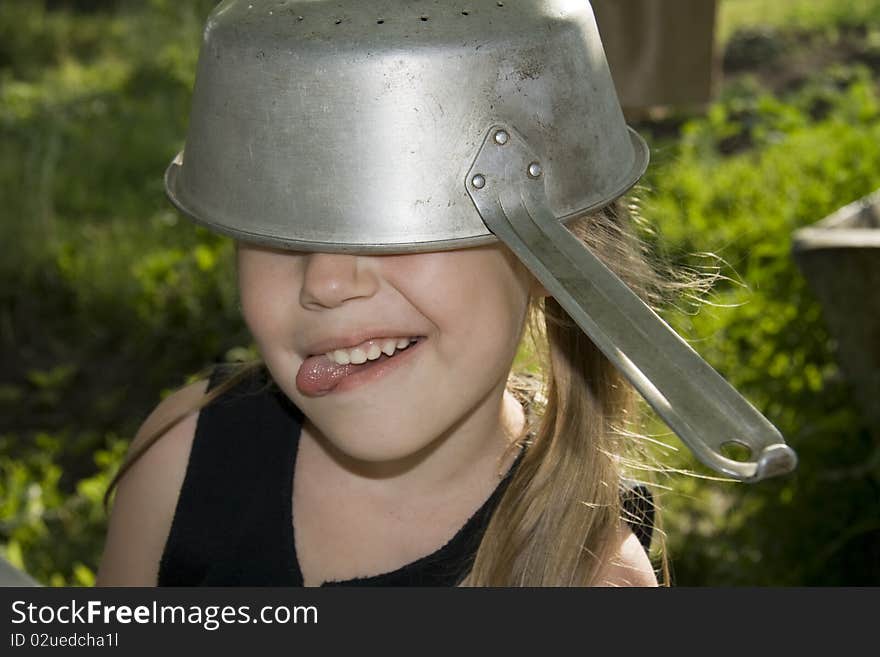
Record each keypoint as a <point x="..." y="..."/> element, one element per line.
<point x="692" y="398"/>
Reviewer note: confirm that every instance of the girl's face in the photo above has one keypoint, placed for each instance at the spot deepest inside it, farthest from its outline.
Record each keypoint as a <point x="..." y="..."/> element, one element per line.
<point x="468" y="306"/>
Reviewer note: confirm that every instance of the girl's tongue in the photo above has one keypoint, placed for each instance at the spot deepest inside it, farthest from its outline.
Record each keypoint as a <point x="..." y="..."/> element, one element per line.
<point x="318" y="375"/>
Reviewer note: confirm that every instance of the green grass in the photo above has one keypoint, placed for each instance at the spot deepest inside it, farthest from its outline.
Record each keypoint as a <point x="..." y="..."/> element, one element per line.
<point x="810" y="15"/>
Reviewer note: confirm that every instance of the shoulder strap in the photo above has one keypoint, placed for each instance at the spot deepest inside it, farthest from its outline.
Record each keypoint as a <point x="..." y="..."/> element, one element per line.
<point x="637" y="505"/>
<point x="224" y="475"/>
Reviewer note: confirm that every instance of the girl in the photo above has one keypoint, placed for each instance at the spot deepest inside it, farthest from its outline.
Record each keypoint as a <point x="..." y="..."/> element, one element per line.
<point x="359" y="154"/>
<point x="432" y="466"/>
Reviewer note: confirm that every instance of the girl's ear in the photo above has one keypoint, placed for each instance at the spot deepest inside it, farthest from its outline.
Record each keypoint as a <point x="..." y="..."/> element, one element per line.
<point x="536" y="290"/>
<point x="539" y="290"/>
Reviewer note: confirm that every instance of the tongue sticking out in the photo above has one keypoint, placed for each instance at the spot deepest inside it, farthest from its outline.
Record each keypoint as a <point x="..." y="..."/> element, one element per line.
<point x="318" y="375"/>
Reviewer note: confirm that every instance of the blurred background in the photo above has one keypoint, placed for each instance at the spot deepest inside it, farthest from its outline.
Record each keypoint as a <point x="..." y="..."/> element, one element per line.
<point x="763" y="119"/>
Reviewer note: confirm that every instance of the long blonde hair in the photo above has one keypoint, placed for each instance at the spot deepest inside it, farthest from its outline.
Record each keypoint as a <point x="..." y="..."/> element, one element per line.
<point x="554" y="523"/>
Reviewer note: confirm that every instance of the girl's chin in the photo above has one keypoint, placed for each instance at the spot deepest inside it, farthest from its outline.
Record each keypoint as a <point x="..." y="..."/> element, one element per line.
<point x="389" y="452"/>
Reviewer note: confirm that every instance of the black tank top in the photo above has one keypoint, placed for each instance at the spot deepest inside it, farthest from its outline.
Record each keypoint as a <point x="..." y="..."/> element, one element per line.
<point x="233" y="523"/>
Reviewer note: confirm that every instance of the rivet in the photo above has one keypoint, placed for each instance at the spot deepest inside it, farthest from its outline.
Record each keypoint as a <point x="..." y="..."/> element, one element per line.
<point x="479" y="181"/>
<point x="535" y="170"/>
<point x="501" y="137"/>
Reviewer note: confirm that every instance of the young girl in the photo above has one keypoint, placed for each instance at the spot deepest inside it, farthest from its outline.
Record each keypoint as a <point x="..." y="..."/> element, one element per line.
<point x="392" y="475"/>
<point x="382" y="438"/>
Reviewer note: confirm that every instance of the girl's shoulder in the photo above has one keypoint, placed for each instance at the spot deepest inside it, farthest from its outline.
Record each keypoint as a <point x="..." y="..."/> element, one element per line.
<point x="630" y="565"/>
<point x="146" y="497"/>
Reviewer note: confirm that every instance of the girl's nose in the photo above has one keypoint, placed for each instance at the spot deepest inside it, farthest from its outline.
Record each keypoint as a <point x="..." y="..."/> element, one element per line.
<point x="330" y="279"/>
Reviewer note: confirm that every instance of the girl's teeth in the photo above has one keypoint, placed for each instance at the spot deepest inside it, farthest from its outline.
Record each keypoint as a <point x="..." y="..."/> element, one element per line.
<point x="361" y="355"/>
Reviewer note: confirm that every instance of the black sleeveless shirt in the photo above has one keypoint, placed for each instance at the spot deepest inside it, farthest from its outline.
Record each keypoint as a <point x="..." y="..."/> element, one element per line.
<point x="233" y="524"/>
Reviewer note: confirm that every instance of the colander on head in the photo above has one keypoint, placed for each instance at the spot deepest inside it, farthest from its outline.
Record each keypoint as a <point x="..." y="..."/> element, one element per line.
<point x="395" y="126"/>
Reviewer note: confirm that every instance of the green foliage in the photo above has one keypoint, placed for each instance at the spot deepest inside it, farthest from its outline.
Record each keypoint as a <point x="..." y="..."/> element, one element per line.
<point x="740" y="181"/>
<point x="36" y="510"/>
<point x="106" y="297"/>
<point x="801" y="15"/>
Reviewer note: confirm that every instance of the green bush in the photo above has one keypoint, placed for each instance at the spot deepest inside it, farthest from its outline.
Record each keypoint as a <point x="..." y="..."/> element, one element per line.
<point x="106" y="297"/>
<point x="767" y="335"/>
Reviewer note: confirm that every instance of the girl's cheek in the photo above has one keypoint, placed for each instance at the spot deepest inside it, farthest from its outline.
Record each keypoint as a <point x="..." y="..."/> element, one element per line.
<point x="267" y="287"/>
<point x="261" y="316"/>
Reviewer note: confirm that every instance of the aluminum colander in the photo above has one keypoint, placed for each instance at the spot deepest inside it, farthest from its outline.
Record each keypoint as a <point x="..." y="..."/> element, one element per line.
<point x="400" y="126"/>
